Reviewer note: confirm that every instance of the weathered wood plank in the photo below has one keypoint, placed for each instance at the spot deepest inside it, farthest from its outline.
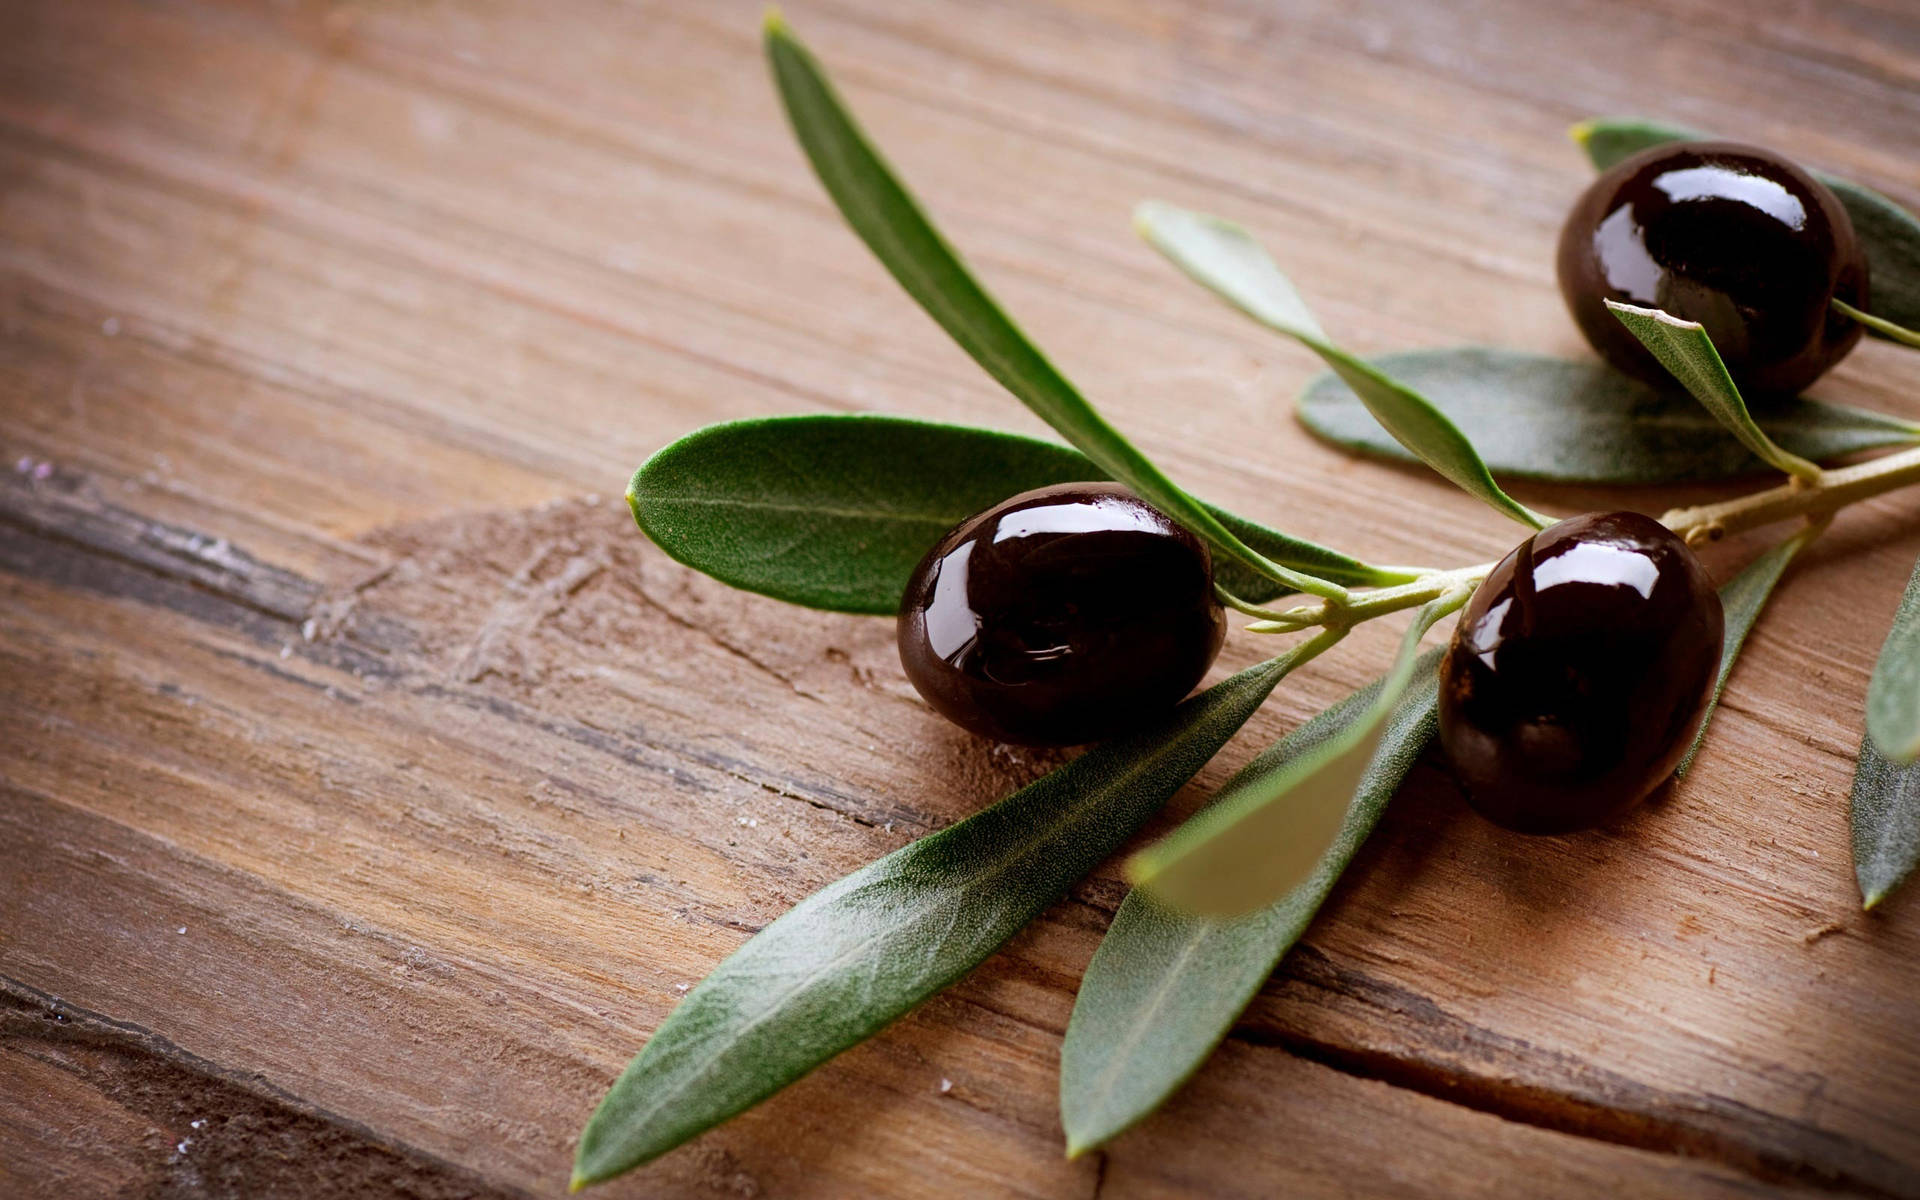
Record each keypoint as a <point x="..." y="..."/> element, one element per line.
<point x="491" y="635"/>
<point x="465" y="800"/>
<point x="138" y="1115"/>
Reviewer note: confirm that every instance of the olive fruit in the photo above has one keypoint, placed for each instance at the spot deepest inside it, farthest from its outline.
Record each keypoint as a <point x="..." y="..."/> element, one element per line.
<point x="1734" y="237"/>
<point x="1579" y="673"/>
<point x="1060" y="616"/>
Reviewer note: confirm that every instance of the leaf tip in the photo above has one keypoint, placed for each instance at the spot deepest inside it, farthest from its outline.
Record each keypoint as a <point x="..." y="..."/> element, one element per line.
<point x="1581" y="133"/>
<point x="1146" y="215"/>
<point x="1076" y="1149"/>
<point x="1140" y="868"/>
<point x="773" y="23"/>
<point x="577" y="1182"/>
<point x="1623" y="311"/>
<point x="1899" y="753"/>
<point x="1868" y="901"/>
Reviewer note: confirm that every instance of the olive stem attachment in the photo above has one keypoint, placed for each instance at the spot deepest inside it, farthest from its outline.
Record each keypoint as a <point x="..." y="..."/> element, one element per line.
<point x="1815" y="499"/>
<point x="1834" y="490"/>
<point x="1367" y="605"/>
<point x="1880" y="325"/>
<point x="1229" y="600"/>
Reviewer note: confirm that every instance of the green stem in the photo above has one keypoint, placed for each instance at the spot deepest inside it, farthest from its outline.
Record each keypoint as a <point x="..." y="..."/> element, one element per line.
<point x="1898" y="333"/>
<point x="1816" y="499"/>
<point x="1368" y="605"/>
<point x="1229" y="600"/>
<point x="1314" y="647"/>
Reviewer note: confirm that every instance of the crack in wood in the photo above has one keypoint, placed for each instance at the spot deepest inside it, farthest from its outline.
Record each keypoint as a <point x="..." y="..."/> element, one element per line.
<point x="1508" y="1077"/>
<point x="228" y="1134"/>
<point x="69" y="537"/>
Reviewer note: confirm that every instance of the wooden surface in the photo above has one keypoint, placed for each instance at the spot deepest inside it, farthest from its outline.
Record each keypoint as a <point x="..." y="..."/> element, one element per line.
<point x="369" y="789"/>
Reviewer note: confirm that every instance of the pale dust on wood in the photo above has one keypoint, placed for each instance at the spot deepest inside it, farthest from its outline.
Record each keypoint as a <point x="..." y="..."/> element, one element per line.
<point x="372" y="789"/>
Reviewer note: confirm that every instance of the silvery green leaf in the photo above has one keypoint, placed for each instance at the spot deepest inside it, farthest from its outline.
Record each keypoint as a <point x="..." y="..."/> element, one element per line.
<point x="1259" y="840"/>
<point x="835" y="510"/>
<point x="1226" y="259"/>
<point x="1885" y="821"/>
<point x="1684" y="348"/>
<point x="1166" y="986"/>
<point x="893" y="225"/>
<point x="851" y="958"/>
<point x="1535" y="416"/>
<point x="1893" y="694"/>
<point x="1742" y="598"/>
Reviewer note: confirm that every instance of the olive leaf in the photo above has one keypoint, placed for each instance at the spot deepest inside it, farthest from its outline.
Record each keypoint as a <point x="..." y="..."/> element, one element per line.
<point x="1886" y="823"/>
<point x="892" y="224"/>
<point x="1889" y="234"/>
<point x="835" y="510"/>
<point x="1535" y="416"/>
<point x="1255" y="843"/>
<point x="1893" y="694"/>
<point x="1165" y="986"/>
<point x="1226" y="259"/>
<point x="1741" y="599"/>
<point x="858" y="953"/>
<point x="1684" y="348"/>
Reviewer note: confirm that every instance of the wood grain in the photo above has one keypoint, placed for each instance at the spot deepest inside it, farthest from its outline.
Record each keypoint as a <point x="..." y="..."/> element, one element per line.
<point x="369" y="789"/>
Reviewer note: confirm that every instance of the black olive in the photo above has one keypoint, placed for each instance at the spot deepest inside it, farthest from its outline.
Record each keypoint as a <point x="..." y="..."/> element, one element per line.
<point x="1060" y="616"/>
<point x="1579" y="673"/>
<point x="1737" y="238"/>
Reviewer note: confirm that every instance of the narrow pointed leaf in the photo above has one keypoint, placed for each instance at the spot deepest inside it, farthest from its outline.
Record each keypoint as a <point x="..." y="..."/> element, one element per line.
<point x="1535" y="416"/>
<point x="1226" y="259"/>
<point x="1229" y="261"/>
<point x="835" y="510"/>
<point x="1893" y="695"/>
<point x="1684" y="348"/>
<point x="1248" y="849"/>
<point x="1607" y="140"/>
<point x="857" y="954"/>
<point x="1886" y="823"/>
<point x="1165" y="986"/>
<point x="1742" y="598"/>
<point x="1889" y="234"/>
<point x="892" y="224"/>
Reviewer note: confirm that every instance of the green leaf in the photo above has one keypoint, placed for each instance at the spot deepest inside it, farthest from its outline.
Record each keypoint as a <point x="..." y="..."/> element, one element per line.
<point x="1252" y="846"/>
<point x="1165" y="986"/>
<point x="860" y="952"/>
<point x="1607" y="140"/>
<point x="892" y="224"/>
<point x="1226" y="259"/>
<point x="1889" y="234"/>
<point x="1742" y="598"/>
<point x="1893" y="695"/>
<point x="1535" y="416"/>
<point x="1684" y="348"/>
<point x="1886" y="823"/>
<point x="835" y="510"/>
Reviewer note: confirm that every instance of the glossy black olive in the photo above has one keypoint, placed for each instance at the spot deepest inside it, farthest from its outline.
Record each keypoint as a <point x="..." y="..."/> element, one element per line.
<point x="1734" y="237"/>
<point x="1060" y="616"/>
<point x="1579" y="673"/>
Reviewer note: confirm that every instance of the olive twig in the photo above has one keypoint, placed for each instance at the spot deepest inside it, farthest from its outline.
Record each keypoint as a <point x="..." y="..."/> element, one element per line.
<point x="1881" y="325"/>
<point x="1365" y="606"/>
<point x="1314" y="647"/>
<point x="1834" y="490"/>
<point x="1248" y="607"/>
